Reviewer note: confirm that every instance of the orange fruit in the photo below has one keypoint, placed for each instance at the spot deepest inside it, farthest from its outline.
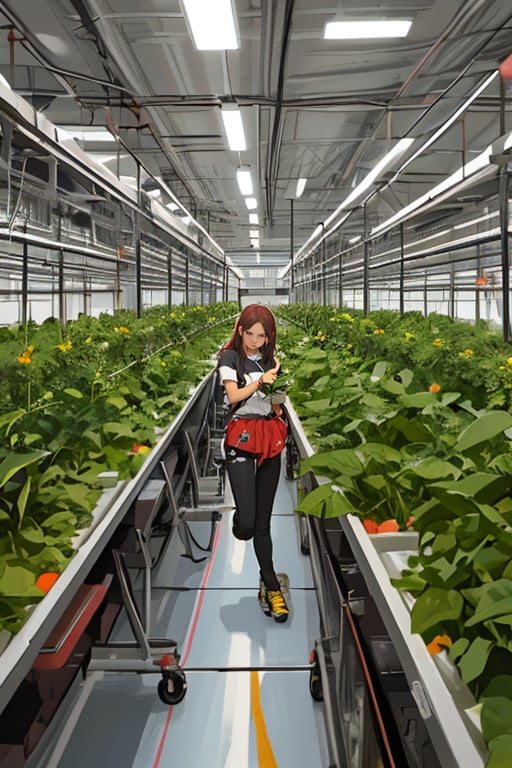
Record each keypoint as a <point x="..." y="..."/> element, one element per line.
<point x="45" y="581"/>
<point x="438" y="644"/>
<point x="388" y="526"/>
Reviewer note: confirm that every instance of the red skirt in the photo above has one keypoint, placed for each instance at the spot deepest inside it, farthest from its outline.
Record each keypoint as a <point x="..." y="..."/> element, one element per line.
<point x="264" y="438"/>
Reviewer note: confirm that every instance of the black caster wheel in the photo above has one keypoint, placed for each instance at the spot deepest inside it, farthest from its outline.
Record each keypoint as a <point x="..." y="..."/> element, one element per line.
<point x="315" y="683"/>
<point x="172" y="689"/>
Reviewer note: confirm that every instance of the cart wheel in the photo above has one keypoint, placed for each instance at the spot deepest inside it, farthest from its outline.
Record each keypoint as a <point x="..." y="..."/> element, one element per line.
<point x="315" y="684"/>
<point x="172" y="689"/>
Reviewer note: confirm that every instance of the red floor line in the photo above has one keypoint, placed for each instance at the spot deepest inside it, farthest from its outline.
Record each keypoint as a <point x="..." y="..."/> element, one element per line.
<point x="190" y="638"/>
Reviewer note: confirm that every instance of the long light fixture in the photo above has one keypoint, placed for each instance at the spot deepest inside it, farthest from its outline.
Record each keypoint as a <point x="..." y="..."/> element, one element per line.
<point x="360" y="30"/>
<point x="301" y="185"/>
<point x="212" y="24"/>
<point x="251" y="203"/>
<point x="254" y="233"/>
<point x="447" y="123"/>
<point x="336" y="219"/>
<point x="88" y="132"/>
<point x="244" y="179"/>
<point x="234" y="127"/>
<point x="254" y="219"/>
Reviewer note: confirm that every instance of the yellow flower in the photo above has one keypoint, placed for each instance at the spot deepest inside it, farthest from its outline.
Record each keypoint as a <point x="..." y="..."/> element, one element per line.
<point x="466" y="353"/>
<point x="437" y="343"/>
<point x="434" y="388"/>
<point x="65" y="346"/>
<point x="88" y="340"/>
<point x="211" y="319"/>
<point x="347" y="317"/>
<point x="503" y="367"/>
<point x="509" y="360"/>
<point x="408" y="336"/>
<point x="163" y="363"/>
<point x="97" y="375"/>
<point x="122" y="329"/>
<point x="173" y="315"/>
<point x="379" y="332"/>
<point x="24" y="358"/>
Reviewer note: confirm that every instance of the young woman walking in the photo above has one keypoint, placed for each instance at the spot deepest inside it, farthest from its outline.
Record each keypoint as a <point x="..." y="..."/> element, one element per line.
<point x="255" y="437"/>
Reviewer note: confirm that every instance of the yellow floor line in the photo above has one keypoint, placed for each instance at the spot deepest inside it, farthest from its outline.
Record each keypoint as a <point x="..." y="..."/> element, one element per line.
<point x="266" y="757"/>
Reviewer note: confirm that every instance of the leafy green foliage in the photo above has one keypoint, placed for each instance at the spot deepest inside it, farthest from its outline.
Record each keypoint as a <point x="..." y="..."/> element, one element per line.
<point x="78" y="399"/>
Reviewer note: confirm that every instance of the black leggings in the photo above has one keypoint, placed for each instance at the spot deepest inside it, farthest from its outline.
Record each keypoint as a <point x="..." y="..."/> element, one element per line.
<point x="254" y="488"/>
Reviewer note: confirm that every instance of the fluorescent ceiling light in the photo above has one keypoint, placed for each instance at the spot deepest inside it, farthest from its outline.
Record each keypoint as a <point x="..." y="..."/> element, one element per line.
<point x="254" y="218"/>
<point x="172" y="206"/>
<point x="255" y="242"/>
<point x="212" y="24"/>
<point x="88" y="133"/>
<point x="234" y="127"/>
<point x="295" y="188"/>
<point x="104" y="158"/>
<point x="251" y="203"/>
<point x="254" y="233"/>
<point x="301" y="184"/>
<point x="360" y="30"/>
<point x="244" y="179"/>
<point x="336" y="219"/>
<point x="447" y="124"/>
<point x="463" y="173"/>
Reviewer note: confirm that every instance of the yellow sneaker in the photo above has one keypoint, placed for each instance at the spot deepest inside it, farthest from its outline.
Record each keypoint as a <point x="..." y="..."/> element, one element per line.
<point x="276" y="605"/>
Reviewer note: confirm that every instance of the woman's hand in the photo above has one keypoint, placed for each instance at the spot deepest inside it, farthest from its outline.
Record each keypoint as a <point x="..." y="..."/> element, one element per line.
<point x="270" y="376"/>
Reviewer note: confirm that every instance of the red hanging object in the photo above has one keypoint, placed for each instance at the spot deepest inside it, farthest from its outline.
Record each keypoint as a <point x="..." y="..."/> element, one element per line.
<point x="506" y="68"/>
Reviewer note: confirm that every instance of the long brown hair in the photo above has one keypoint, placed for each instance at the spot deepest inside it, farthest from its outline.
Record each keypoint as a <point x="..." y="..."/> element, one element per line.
<point x="255" y="313"/>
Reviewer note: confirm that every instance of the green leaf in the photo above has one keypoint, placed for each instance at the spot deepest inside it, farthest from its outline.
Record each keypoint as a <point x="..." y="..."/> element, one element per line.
<point x="418" y="400"/>
<point x="433" y="468"/>
<point x="406" y="376"/>
<point x="117" y="401"/>
<point x="435" y="606"/>
<point x="381" y="453"/>
<point x="317" y="406"/>
<point x="473" y="662"/>
<point x="16" y="461"/>
<point x="502" y="608"/>
<point x="17" y="581"/>
<point x="379" y="370"/>
<point x="337" y="504"/>
<point x="72" y="392"/>
<point x="392" y="386"/>
<point x="327" y="500"/>
<point x="500" y="759"/>
<point x="485" y="427"/>
<point x="23" y="498"/>
<point x="118" y="429"/>
<point x="501" y="685"/>
<point x="496" y="717"/>
<point x="333" y="464"/>
<point x="313" y="503"/>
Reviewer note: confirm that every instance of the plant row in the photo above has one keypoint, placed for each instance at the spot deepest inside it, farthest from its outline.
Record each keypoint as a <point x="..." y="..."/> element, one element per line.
<point x="410" y="419"/>
<point x="81" y="399"/>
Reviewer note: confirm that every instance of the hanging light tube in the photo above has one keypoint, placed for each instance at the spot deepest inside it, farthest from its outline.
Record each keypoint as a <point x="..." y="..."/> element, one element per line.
<point x="212" y="24"/>
<point x="244" y="179"/>
<point x="234" y="127"/>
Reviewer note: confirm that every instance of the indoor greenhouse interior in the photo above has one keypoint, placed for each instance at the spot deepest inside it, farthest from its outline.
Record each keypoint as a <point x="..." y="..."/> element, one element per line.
<point x="234" y="216"/>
